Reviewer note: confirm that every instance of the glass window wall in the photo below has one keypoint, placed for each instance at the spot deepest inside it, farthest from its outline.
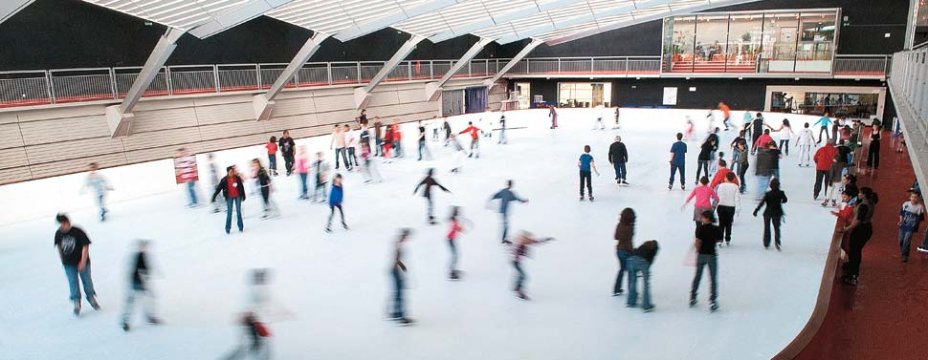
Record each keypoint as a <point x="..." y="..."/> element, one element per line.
<point x="584" y="94"/>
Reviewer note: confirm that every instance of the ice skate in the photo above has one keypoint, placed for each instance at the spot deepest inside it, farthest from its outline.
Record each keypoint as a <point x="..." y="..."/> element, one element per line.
<point x="619" y="292"/>
<point x="328" y="229"/>
<point x="648" y="309"/>
<point x="93" y="303"/>
<point x="692" y="302"/>
<point x="345" y="226"/>
<point x="405" y="321"/>
<point x="77" y="308"/>
<point x="521" y="295"/>
<point x="713" y="306"/>
<point x="922" y="250"/>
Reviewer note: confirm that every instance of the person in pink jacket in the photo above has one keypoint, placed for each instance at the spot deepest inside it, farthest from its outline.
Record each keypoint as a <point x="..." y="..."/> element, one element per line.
<point x="705" y="198"/>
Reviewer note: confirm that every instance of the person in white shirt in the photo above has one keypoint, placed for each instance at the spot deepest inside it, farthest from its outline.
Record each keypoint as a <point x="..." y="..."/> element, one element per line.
<point x="784" y="134"/>
<point x="805" y="141"/>
<point x="351" y="143"/>
<point x="729" y="199"/>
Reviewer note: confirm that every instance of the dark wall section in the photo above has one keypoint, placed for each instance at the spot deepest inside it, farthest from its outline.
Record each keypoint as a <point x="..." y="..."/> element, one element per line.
<point x="862" y="33"/>
<point x="55" y="34"/>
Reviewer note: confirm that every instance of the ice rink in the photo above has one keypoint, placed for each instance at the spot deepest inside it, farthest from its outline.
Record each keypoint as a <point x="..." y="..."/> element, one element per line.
<point x="336" y="285"/>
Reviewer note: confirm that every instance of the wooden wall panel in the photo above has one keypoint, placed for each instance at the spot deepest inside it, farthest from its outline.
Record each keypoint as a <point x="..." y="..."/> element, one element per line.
<point x="75" y="165"/>
<point x="155" y="120"/>
<point x="290" y="107"/>
<point x="14" y="175"/>
<point x="73" y="150"/>
<point x="414" y="95"/>
<point x="48" y="113"/>
<point x="279" y="124"/>
<point x="174" y="138"/>
<point x="383" y="98"/>
<point x="234" y="129"/>
<point x="164" y="104"/>
<point x="65" y="129"/>
<point x="10" y="136"/>
<point x="217" y="114"/>
<point x="13" y="157"/>
<point x="334" y="103"/>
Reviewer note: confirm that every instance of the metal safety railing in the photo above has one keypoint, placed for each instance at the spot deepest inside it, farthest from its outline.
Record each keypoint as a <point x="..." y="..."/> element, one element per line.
<point x="907" y="82"/>
<point x="587" y="66"/>
<point x="862" y="65"/>
<point x="41" y="87"/>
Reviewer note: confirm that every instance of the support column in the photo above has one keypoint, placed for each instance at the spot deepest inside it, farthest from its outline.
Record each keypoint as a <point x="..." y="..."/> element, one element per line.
<point x="491" y="82"/>
<point x="911" y="23"/>
<point x="432" y="88"/>
<point x="119" y="117"/>
<point x="264" y="103"/>
<point x="362" y="95"/>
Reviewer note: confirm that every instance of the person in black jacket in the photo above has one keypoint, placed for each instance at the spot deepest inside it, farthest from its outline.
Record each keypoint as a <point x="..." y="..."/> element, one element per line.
<point x="705" y="154"/>
<point x="263" y="181"/>
<point x="618" y="156"/>
<point x="138" y="282"/>
<point x="640" y="262"/>
<point x="287" y="147"/>
<point x="233" y="190"/>
<point x="707" y="236"/>
<point x="428" y="182"/>
<point x="774" y="199"/>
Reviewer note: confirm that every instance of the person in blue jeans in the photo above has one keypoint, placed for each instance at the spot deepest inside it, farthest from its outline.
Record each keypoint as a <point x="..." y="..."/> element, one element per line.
<point x="586" y="164"/>
<point x="677" y="162"/>
<point x="335" y="202"/>
<point x="397" y="271"/>
<point x="73" y="247"/>
<point x="233" y="190"/>
<point x="640" y="263"/>
<point x="624" y="234"/>
<point x="618" y="156"/>
<point x="96" y="182"/>
<point x="506" y="196"/>
<point x="707" y="237"/>
<point x="824" y="121"/>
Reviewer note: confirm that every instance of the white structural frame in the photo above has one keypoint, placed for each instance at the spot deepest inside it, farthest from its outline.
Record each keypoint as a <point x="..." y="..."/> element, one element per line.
<point x="231" y="17"/>
<point x="119" y="117"/>
<point x="386" y="21"/>
<point x="8" y="8"/>
<point x="432" y="89"/>
<point x="491" y="82"/>
<point x="362" y="94"/>
<point x="264" y="103"/>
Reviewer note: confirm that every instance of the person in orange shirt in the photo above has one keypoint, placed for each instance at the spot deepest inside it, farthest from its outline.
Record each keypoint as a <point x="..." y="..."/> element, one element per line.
<point x="397" y="140"/>
<point x="475" y="139"/>
<point x="721" y="174"/>
<point x="726" y="114"/>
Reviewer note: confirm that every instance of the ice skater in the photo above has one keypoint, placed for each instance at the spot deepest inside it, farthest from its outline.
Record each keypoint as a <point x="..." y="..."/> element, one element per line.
<point x="474" y="139"/>
<point x="287" y="147"/>
<point x="639" y="265"/>
<point x="756" y="130"/>
<point x="335" y="202"/>
<point x="742" y="161"/>
<point x="624" y="236"/>
<point x="618" y="125"/>
<point x="233" y="190"/>
<point x="824" y="122"/>
<point x="397" y="139"/>
<point x="785" y="133"/>
<point x="338" y="143"/>
<point x="272" y="147"/>
<point x="428" y="182"/>
<point x="301" y="166"/>
<point x="705" y="198"/>
<point x="729" y="202"/>
<point x="599" y="125"/>
<point x="263" y="180"/>
<point x="805" y="141"/>
<point x="678" y="162"/>
<point x="689" y="129"/>
<point x="586" y="164"/>
<point x="423" y="147"/>
<point x="321" y="169"/>
<point x="351" y="143"/>
<point x="502" y="129"/>
<point x="446" y="127"/>
<point x="823" y="158"/>
<point x="369" y="169"/>
<point x="506" y="196"/>
<point x="705" y="156"/>
<point x="397" y="273"/>
<point x="459" y="155"/>
<point x="214" y="177"/>
<point x="618" y="157"/>
<point x="726" y="115"/>
<point x="140" y="287"/>
<point x="707" y="236"/>
<point x="773" y="214"/>
<point x="552" y="113"/>
<point x="98" y="183"/>
<point x="73" y="247"/>
<point x="519" y="251"/>
<point x="456" y="223"/>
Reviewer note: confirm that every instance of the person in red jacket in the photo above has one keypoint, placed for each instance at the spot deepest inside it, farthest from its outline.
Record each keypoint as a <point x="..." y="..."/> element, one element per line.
<point x="397" y="140"/>
<point x="720" y="175"/>
<point x="762" y="140"/>
<point x="823" y="159"/>
<point x="475" y="139"/>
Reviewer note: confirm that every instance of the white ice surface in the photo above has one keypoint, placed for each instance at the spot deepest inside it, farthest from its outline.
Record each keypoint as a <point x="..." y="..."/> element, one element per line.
<point x="337" y="284"/>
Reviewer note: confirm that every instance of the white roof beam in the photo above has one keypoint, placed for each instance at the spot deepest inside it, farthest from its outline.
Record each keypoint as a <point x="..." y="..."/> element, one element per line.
<point x="264" y="103"/>
<point x="362" y="94"/>
<point x="578" y="20"/>
<point x="8" y="8"/>
<point x="515" y="60"/>
<point x="119" y="117"/>
<point x="431" y="89"/>
<point x="385" y="21"/>
<point x="464" y="29"/>
<point x="231" y="17"/>
<point x="671" y="11"/>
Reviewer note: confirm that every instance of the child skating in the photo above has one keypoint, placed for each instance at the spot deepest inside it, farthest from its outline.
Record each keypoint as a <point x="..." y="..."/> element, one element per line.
<point x="96" y="182"/>
<point x="335" y="202"/>
<point x="520" y="251"/>
<point x="321" y="169"/>
<point x="506" y="196"/>
<point x="456" y="227"/>
<point x="586" y="164"/>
